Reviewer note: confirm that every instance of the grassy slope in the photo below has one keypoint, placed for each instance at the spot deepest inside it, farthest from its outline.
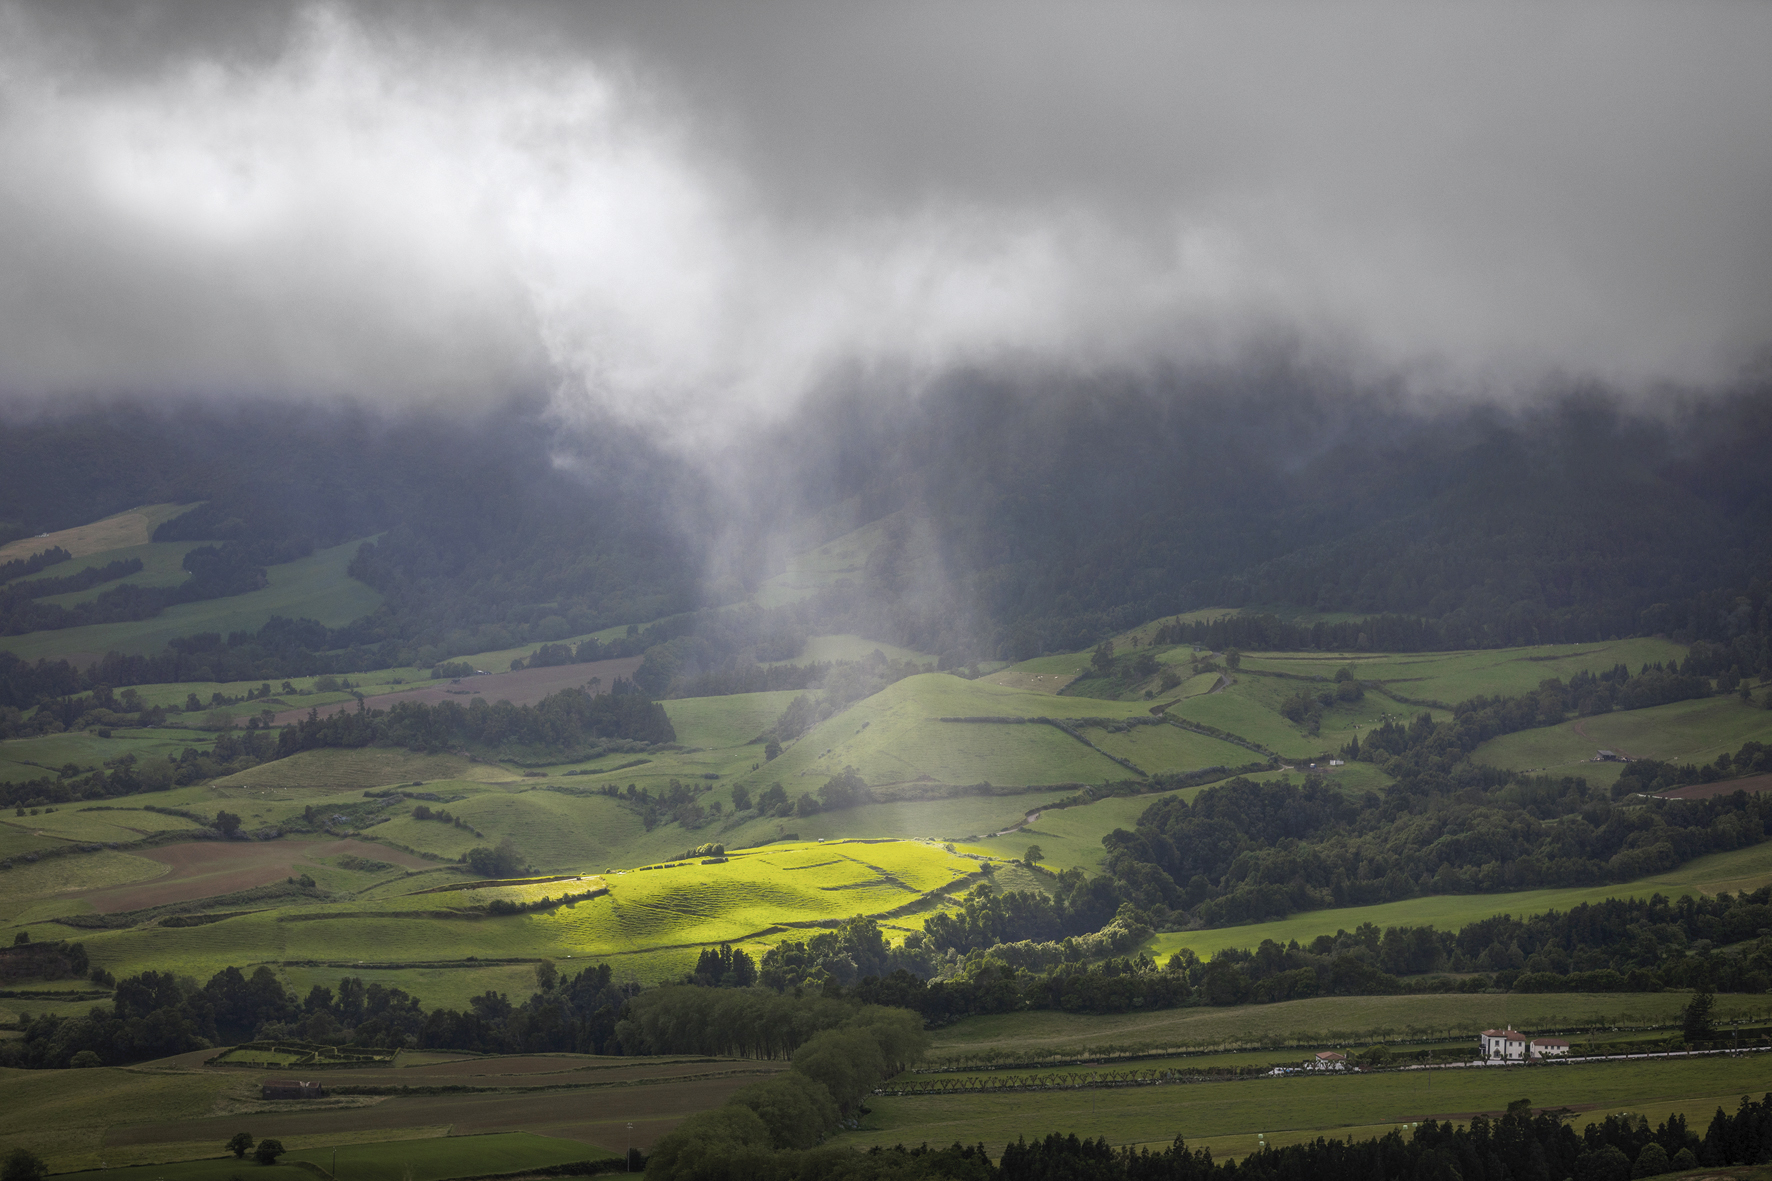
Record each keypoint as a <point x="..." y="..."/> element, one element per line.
<point x="1454" y="676"/>
<point x="894" y="737"/>
<point x="1684" y="732"/>
<point x="32" y="758"/>
<point x="1741" y="869"/>
<point x="677" y="909"/>
<point x="315" y="587"/>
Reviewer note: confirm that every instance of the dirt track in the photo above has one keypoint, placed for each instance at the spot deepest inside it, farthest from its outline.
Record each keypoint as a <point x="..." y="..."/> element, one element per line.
<point x="524" y="687"/>
<point x="204" y="869"/>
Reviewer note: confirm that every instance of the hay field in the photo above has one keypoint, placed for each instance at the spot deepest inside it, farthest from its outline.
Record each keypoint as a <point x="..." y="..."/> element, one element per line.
<point x="131" y="527"/>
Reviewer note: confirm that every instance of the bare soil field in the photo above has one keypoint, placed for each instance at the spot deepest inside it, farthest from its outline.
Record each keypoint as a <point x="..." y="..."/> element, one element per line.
<point x="1723" y="787"/>
<point x="204" y="869"/>
<point x="594" y="1115"/>
<point x="523" y="687"/>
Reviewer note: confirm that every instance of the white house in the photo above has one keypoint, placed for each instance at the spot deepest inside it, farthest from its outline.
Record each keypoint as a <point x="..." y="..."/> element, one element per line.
<point x="1509" y="1045"/>
<point x="1504" y="1045"/>
<point x="1326" y="1060"/>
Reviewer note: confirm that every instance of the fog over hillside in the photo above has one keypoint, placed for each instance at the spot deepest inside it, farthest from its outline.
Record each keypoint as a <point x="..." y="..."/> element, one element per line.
<point x="1115" y="313"/>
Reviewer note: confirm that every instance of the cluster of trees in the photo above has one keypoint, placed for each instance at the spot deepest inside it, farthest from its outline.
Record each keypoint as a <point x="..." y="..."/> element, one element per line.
<point x="571" y="720"/>
<point x="1077" y="905"/>
<point x="32" y="563"/>
<point x="215" y="572"/>
<point x="1516" y="1144"/>
<point x="1243" y="851"/>
<point x="126" y="774"/>
<point x="154" y="1014"/>
<point x="832" y="1070"/>
<point x="1619" y="945"/>
<point x="1646" y="776"/>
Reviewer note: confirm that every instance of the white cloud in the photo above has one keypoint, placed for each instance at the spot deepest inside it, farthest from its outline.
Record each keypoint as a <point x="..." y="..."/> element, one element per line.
<point x="391" y="213"/>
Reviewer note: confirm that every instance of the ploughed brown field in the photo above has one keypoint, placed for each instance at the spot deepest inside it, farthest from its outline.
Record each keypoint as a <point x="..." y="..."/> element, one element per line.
<point x="593" y="1103"/>
<point x="204" y="869"/>
<point x="523" y="687"/>
<point x="1723" y="787"/>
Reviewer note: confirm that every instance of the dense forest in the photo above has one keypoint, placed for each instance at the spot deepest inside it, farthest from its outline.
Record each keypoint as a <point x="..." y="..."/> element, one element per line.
<point x="1468" y="528"/>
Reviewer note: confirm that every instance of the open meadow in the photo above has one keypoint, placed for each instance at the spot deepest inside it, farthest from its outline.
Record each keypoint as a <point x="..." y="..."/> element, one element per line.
<point x="1233" y="1118"/>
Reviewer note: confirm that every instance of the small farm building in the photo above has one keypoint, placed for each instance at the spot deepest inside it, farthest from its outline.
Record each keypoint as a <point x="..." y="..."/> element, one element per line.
<point x="1327" y="1060"/>
<point x="294" y="1090"/>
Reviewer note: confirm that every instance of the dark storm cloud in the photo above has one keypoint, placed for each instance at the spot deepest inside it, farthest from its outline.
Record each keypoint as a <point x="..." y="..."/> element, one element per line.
<point x="660" y="207"/>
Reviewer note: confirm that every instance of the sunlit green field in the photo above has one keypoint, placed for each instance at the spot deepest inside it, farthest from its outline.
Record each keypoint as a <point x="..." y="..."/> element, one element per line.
<point x="754" y="896"/>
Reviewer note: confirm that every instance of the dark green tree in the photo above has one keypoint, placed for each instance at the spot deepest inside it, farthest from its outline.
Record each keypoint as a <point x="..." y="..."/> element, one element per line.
<point x="268" y="1151"/>
<point x="23" y="1165"/>
<point x="239" y="1144"/>
<point x="1699" y="1025"/>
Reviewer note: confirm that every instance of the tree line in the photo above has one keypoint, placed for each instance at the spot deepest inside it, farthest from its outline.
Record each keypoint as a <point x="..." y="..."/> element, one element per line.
<point x="569" y="721"/>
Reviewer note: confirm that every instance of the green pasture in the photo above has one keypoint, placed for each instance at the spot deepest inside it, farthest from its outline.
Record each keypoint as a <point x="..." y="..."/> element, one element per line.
<point x="440" y="1158"/>
<point x="1229" y="1116"/>
<point x="1241" y="710"/>
<point x="315" y="587"/>
<point x="1072" y="836"/>
<point x="1452" y="677"/>
<point x="1343" y="1022"/>
<point x="63" y="1114"/>
<point x="350" y="770"/>
<point x="16" y="842"/>
<point x="727" y="721"/>
<point x="1734" y="871"/>
<point x="24" y="759"/>
<point x="26" y="883"/>
<point x="162" y="565"/>
<point x="116" y="824"/>
<point x="1684" y="732"/>
<point x="894" y="737"/>
<point x="1170" y="748"/>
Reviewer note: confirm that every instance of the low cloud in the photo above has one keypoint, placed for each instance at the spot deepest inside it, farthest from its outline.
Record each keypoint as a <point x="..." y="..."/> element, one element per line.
<point x="692" y="218"/>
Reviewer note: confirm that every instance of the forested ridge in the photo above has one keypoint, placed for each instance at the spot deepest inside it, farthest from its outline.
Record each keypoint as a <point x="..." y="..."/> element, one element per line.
<point x="1573" y="522"/>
